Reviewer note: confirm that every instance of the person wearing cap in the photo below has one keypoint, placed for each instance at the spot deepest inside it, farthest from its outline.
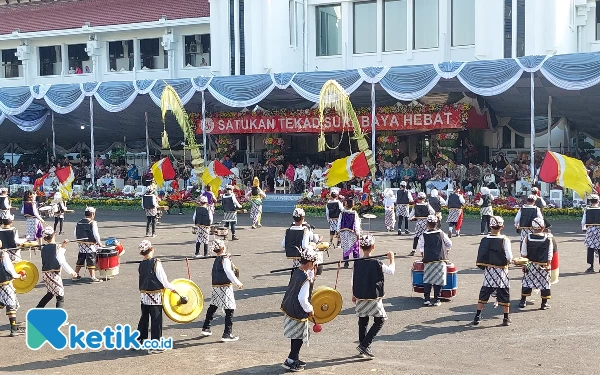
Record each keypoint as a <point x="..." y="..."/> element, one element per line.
<point x="88" y="240"/>
<point x="421" y="210"/>
<point x="434" y="246"/>
<point x="9" y="239"/>
<point x="256" y="195"/>
<point x="456" y="201"/>
<point x="349" y="229"/>
<point x="152" y="281"/>
<point x="33" y="222"/>
<point x="223" y="277"/>
<point x="525" y="216"/>
<point x="150" y="206"/>
<point x="297" y="308"/>
<point x="367" y="285"/>
<point x="493" y="257"/>
<point x="4" y="203"/>
<point x="333" y="211"/>
<point x="59" y="208"/>
<point x="230" y="204"/>
<point x="211" y="198"/>
<point x="389" y="201"/>
<point x="8" y="295"/>
<point x="53" y="262"/>
<point x="437" y="202"/>
<point x="590" y="223"/>
<point x="538" y="247"/>
<point x="486" y="210"/>
<point x="403" y="200"/>
<point x="203" y="219"/>
<point x="297" y="237"/>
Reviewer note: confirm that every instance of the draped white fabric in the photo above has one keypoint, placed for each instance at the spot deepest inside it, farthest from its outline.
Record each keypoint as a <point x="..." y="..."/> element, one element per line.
<point x="407" y="83"/>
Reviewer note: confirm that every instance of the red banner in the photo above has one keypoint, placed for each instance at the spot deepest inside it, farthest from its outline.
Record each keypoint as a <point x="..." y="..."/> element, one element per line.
<point x="449" y="118"/>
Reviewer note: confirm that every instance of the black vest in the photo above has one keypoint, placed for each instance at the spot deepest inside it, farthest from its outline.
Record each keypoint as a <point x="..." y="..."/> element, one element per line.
<point x="148" y="281"/>
<point x="7" y="236"/>
<point x="202" y="216"/>
<point x="60" y="206"/>
<point x="334" y="210"/>
<point x="402" y="197"/>
<point x="49" y="261"/>
<point x="435" y="203"/>
<point x="219" y="277"/>
<point x="433" y="249"/>
<point x="290" y="304"/>
<point x="539" y="203"/>
<point x="4" y="275"/>
<point x="421" y="211"/>
<point x="527" y="216"/>
<point x="4" y="203"/>
<point x="84" y="231"/>
<point x="293" y="243"/>
<point x="148" y="201"/>
<point x="491" y="252"/>
<point x="487" y="201"/>
<point x="454" y="201"/>
<point x="228" y="205"/>
<point x="367" y="279"/>
<point x="537" y="248"/>
<point x="592" y="216"/>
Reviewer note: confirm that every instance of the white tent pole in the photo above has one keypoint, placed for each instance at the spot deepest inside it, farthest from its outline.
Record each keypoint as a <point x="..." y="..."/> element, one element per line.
<point x="53" y="137"/>
<point x="204" y="127"/>
<point x="532" y="135"/>
<point x="92" y="151"/>
<point x="147" y="140"/>
<point x="549" y="122"/>
<point x="373" y="118"/>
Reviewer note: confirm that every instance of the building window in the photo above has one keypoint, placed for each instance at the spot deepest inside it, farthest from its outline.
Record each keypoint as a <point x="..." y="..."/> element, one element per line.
<point x="153" y="57"/>
<point x="79" y="61"/>
<point x="520" y="28"/>
<point x="197" y="50"/>
<point x="506" y="137"/>
<point x="425" y="24"/>
<point x="50" y="60"/>
<point x="12" y="66"/>
<point x="519" y="141"/>
<point x="121" y="56"/>
<point x="329" y="30"/>
<point x="463" y="22"/>
<point x="365" y="27"/>
<point x="395" y="25"/>
<point x="507" y="29"/>
<point x="293" y="24"/>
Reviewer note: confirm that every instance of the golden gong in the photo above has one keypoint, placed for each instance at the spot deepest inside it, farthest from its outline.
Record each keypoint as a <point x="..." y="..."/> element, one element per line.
<point x="174" y="307"/>
<point x="327" y="303"/>
<point x="32" y="276"/>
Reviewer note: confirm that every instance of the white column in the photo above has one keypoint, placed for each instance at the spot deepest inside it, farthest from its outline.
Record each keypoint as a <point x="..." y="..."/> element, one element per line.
<point x="532" y="135"/>
<point x="147" y="141"/>
<point x="444" y="38"/>
<point x="92" y="148"/>
<point x="549" y="122"/>
<point x="136" y="57"/>
<point x="236" y="28"/>
<point x="514" y="29"/>
<point x="64" y="56"/>
<point x="53" y="137"/>
<point x="347" y="36"/>
<point x="379" y="31"/>
<point x="410" y="30"/>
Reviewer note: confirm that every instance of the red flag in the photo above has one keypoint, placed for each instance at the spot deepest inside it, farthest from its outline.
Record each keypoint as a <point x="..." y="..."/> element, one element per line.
<point x="39" y="182"/>
<point x="64" y="174"/>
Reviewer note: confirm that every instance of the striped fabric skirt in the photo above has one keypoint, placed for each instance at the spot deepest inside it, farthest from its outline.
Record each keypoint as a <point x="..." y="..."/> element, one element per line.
<point x="295" y="329"/>
<point x="202" y="234"/>
<point x="496" y="277"/>
<point x="230" y="217"/>
<point x="33" y="229"/>
<point x="370" y="307"/>
<point x="4" y="214"/>
<point x="537" y="278"/>
<point x="592" y="237"/>
<point x="255" y="212"/>
<point x="8" y="298"/>
<point x="434" y="273"/>
<point x="420" y="227"/>
<point x="222" y="296"/>
<point x="454" y="215"/>
<point x="54" y="283"/>
<point x="402" y="210"/>
<point x="390" y="218"/>
<point x="524" y="233"/>
<point x="333" y="223"/>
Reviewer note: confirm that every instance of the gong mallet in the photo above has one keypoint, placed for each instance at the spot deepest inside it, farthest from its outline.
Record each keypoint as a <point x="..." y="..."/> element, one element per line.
<point x="335" y="262"/>
<point x="317" y="327"/>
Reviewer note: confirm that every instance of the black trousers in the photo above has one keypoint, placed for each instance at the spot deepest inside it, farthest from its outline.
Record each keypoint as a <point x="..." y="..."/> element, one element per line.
<point x="153" y="314"/>
<point x="436" y="291"/>
<point x="295" y="349"/>
<point x="366" y="337"/>
<point x="591" y="256"/>
<point x="210" y="314"/>
<point x="58" y="220"/>
<point x="151" y="221"/>
<point x="526" y="292"/>
<point x="232" y="226"/>
<point x="198" y="249"/>
<point x="60" y="301"/>
<point x="485" y="223"/>
<point x="400" y="222"/>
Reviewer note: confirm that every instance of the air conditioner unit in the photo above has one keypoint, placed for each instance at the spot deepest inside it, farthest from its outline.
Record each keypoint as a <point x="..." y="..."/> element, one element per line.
<point x="92" y="48"/>
<point x="168" y="42"/>
<point x="23" y="52"/>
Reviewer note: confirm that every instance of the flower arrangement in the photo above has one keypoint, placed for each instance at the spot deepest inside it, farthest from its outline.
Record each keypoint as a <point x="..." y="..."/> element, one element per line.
<point x="225" y="146"/>
<point x="274" y="151"/>
<point x="387" y="147"/>
<point x="445" y="146"/>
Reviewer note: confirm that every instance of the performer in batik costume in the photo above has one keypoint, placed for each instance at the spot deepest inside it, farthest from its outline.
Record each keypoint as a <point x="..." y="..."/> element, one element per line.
<point x="297" y="308"/>
<point x="486" y="210"/>
<point x="434" y="246"/>
<point x="538" y="247"/>
<point x="389" y="201"/>
<point x="256" y="195"/>
<point x="493" y="257"/>
<point x="525" y="216"/>
<point x="5" y="205"/>
<point x="349" y="229"/>
<point x="297" y="238"/>
<point x="436" y="202"/>
<point x="368" y="292"/>
<point x="541" y="204"/>
<point x="590" y="223"/>
<point x="211" y="199"/>
<point x="33" y="222"/>
<point x="9" y="239"/>
<point x="8" y="295"/>
<point x="223" y="277"/>
<point x="333" y="210"/>
<point x="152" y="281"/>
<point x="59" y="207"/>
<point x="53" y="262"/>
<point x="150" y="206"/>
<point x="419" y="213"/>
<point x="203" y="219"/>
<point x="230" y="204"/>
<point x="86" y="232"/>
<point x="403" y="200"/>
<point x="455" y="211"/>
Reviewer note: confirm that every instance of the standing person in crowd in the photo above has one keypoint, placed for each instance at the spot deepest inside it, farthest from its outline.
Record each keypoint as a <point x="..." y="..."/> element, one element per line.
<point x="88" y="240"/>
<point x="256" y="195"/>
<point x="525" y="216"/>
<point x="150" y="206"/>
<point x="203" y="219"/>
<point x="456" y="201"/>
<point x="403" y="200"/>
<point x="538" y="247"/>
<point x="333" y="210"/>
<point x="436" y="202"/>
<point x="33" y="222"/>
<point x="5" y="205"/>
<point x="59" y="207"/>
<point x="9" y="239"/>
<point x="421" y="210"/>
<point x="486" y="211"/>
<point x="590" y="223"/>
<point x="367" y="293"/>
<point x="211" y="199"/>
<point x="390" y="174"/>
<point x="8" y="295"/>
<point x="473" y="178"/>
<point x="230" y="205"/>
<point x="297" y="238"/>
<point x="389" y="201"/>
<point x="349" y="230"/>
<point x="508" y="179"/>
<point x="300" y="178"/>
<point x="434" y="246"/>
<point x="223" y="277"/>
<point x="494" y="256"/>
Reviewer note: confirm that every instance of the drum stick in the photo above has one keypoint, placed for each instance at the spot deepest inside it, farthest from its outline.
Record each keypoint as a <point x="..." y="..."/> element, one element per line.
<point x="179" y="260"/>
<point x="336" y="262"/>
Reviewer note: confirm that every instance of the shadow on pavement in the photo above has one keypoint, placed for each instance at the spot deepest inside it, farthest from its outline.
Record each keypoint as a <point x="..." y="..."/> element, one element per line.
<point x="81" y="357"/>
<point x="277" y="369"/>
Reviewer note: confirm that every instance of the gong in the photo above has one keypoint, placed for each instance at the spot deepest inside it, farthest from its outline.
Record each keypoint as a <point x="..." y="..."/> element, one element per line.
<point x="32" y="276"/>
<point x="173" y="305"/>
<point x="327" y="303"/>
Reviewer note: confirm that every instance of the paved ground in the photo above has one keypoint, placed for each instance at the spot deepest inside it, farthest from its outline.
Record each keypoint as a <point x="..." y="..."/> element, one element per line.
<point x="414" y="340"/>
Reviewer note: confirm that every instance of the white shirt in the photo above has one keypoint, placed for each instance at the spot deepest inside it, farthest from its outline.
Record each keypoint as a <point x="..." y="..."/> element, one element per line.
<point x="333" y="201"/>
<point x="543" y="201"/>
<point x="235" y="171"/>
<point x="154" y="201"/>
<point x="356" y="222"/>
<point x="388" y="202"/>
<point x="507" y="246"/>
<point x="491" y="179"/>
<point x="162" y="276"/>
<point x="8" y="265"/>
<point x="229" y="272"/>
<point x="316" y="175"/>
<point x="412" y="212"/>
<point x="235" y="201"/>
<point x="300" y="173"/>
<point x="94" y="231"/>
<point x="550" y="248"/>
<point x="60" y="256"/>
<point x="304" y="292"/>
<point x="35" y="211"/>
<point x="480" y="201"/>
<point x="446" y="242"/>
<point x="305" y="239"/>
<point x="518" y="217"/>
<point x="210" y="215"/>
